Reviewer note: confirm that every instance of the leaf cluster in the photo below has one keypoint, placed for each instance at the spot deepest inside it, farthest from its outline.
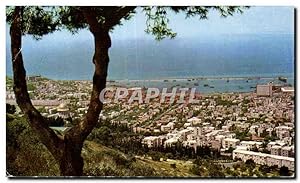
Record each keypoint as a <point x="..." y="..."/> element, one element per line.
<point x="41" y="20"/>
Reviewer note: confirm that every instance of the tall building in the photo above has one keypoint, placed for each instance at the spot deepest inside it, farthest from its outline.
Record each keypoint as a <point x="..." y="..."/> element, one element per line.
<point x="264" y="90"/>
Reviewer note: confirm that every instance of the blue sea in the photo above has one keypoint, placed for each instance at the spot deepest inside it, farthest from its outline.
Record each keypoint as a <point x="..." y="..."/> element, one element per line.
<point x="257" y="58"/>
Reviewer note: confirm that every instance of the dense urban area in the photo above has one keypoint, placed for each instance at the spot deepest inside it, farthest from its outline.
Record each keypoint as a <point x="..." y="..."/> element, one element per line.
<point x="225" y="134"/>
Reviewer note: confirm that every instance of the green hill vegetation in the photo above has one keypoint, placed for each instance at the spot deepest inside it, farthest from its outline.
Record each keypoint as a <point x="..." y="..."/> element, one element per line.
<point x="9" y="81"/>
<point x="26" y="156"/>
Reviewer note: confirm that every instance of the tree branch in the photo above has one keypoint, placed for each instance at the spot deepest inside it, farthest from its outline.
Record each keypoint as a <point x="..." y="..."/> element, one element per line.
<point x="91" y="18"/>
<point x="36" y="120"/>
<point x="78" y="133"/>
<point x="117" y="16"/>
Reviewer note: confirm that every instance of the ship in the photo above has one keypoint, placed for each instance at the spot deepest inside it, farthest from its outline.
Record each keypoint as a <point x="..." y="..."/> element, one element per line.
<point x="283" y="79"/>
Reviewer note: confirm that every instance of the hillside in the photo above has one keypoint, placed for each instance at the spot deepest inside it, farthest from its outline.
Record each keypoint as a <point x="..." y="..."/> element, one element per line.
<point x="101" y="160"/>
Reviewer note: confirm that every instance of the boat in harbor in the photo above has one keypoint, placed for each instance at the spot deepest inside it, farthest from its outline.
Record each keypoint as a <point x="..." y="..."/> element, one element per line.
<point x="283" y="79"/>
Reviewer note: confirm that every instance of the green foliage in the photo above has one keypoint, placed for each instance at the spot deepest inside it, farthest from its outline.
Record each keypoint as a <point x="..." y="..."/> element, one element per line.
<point x="141" y="169"/>
<point x="9" y="81"/>
<point x="55" y="121"/>
<point x="39" y="21"/>
<point x="40" y="109"/>
<point x="102" y="134"/>
<point x="284" y="171"/>
<point x="208" y="169"/>
<point x="9" y="117"/>
<point x="227" y="103"/>
<point x="244" y="109"/>
<point x="254" y="149"/>
<point x="11" y="109"/>
<point x="26" y="156"/>
<point x="157" y="17"/>
<point x="71" y="18"/>
<point x="242" y="135"/>
<point x="173" y="165"/>
<point x="103" y="161"/>
<point x="265" y="150"/>
<point x="230" y="149"/>
<point x="264" y="133"/>
<point x="120" y="159"/>
<point x="155" y="155"/>
<point x="157" y="22"/>
<point x="215" y="171"/>
<point x="269" y="138"/>
<point x="196" y="113"/>
<point x="246" y="101"/>
<point x="250" y="164"/>
<point x="117" y="135"/>
<point x="30" y="87"/>
<point x="196" y="170"/>
<point x="36" y="20"/>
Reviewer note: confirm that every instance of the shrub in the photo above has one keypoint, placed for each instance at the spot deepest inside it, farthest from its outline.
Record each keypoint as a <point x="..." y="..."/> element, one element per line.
<point x="284" y="171"/>
<point x="26" y="155"/>
<point x="140" y="169"/>
<point x="196" y="170"/>
<point x="173" y="165"/>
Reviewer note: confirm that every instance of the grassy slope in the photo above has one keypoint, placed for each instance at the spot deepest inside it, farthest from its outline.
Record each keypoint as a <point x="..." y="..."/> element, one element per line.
<point x="97" y="155"/>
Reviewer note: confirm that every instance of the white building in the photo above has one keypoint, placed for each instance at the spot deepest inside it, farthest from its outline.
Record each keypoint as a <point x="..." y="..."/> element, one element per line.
<point x="190" y="143"/>
<point x="286" y="151"/>
<point x="276" y="150"/>
<point x="287" y="89"/>
<point x="63" y="111"/>
<point x="152" y="141"/>
<point x="184" y="133"/>
<point x="228" y="142"/>
<point x="171" y="141"/>
<point x="168" y="127"/>
<point x="264" y="159"/>
<point x="185" y="125"/>
<point x="10" y="95"/>
<point x="251" y="144"/>
<point x="264" y="90"/>
<point x="194" y="120"/>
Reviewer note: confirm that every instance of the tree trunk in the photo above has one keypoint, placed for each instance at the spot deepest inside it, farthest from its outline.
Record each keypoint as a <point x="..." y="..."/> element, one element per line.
<point x="36" y="121"/>
<point x="66" y="150"/>
<point x="72" y="163"/>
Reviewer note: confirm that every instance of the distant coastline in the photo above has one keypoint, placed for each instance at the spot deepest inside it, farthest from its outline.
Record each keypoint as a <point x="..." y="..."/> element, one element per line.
<point x="197" y="78"/>
<point x="187" y="78"/>
<point x="203" y="84"/>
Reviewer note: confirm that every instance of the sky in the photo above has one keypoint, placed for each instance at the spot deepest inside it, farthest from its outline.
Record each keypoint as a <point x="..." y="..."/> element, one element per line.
<point x="255" y="20"/>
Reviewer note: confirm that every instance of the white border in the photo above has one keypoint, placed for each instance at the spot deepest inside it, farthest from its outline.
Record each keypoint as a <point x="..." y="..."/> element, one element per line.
<point x="152" y="2"/>
<point x="3" y="3"/>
